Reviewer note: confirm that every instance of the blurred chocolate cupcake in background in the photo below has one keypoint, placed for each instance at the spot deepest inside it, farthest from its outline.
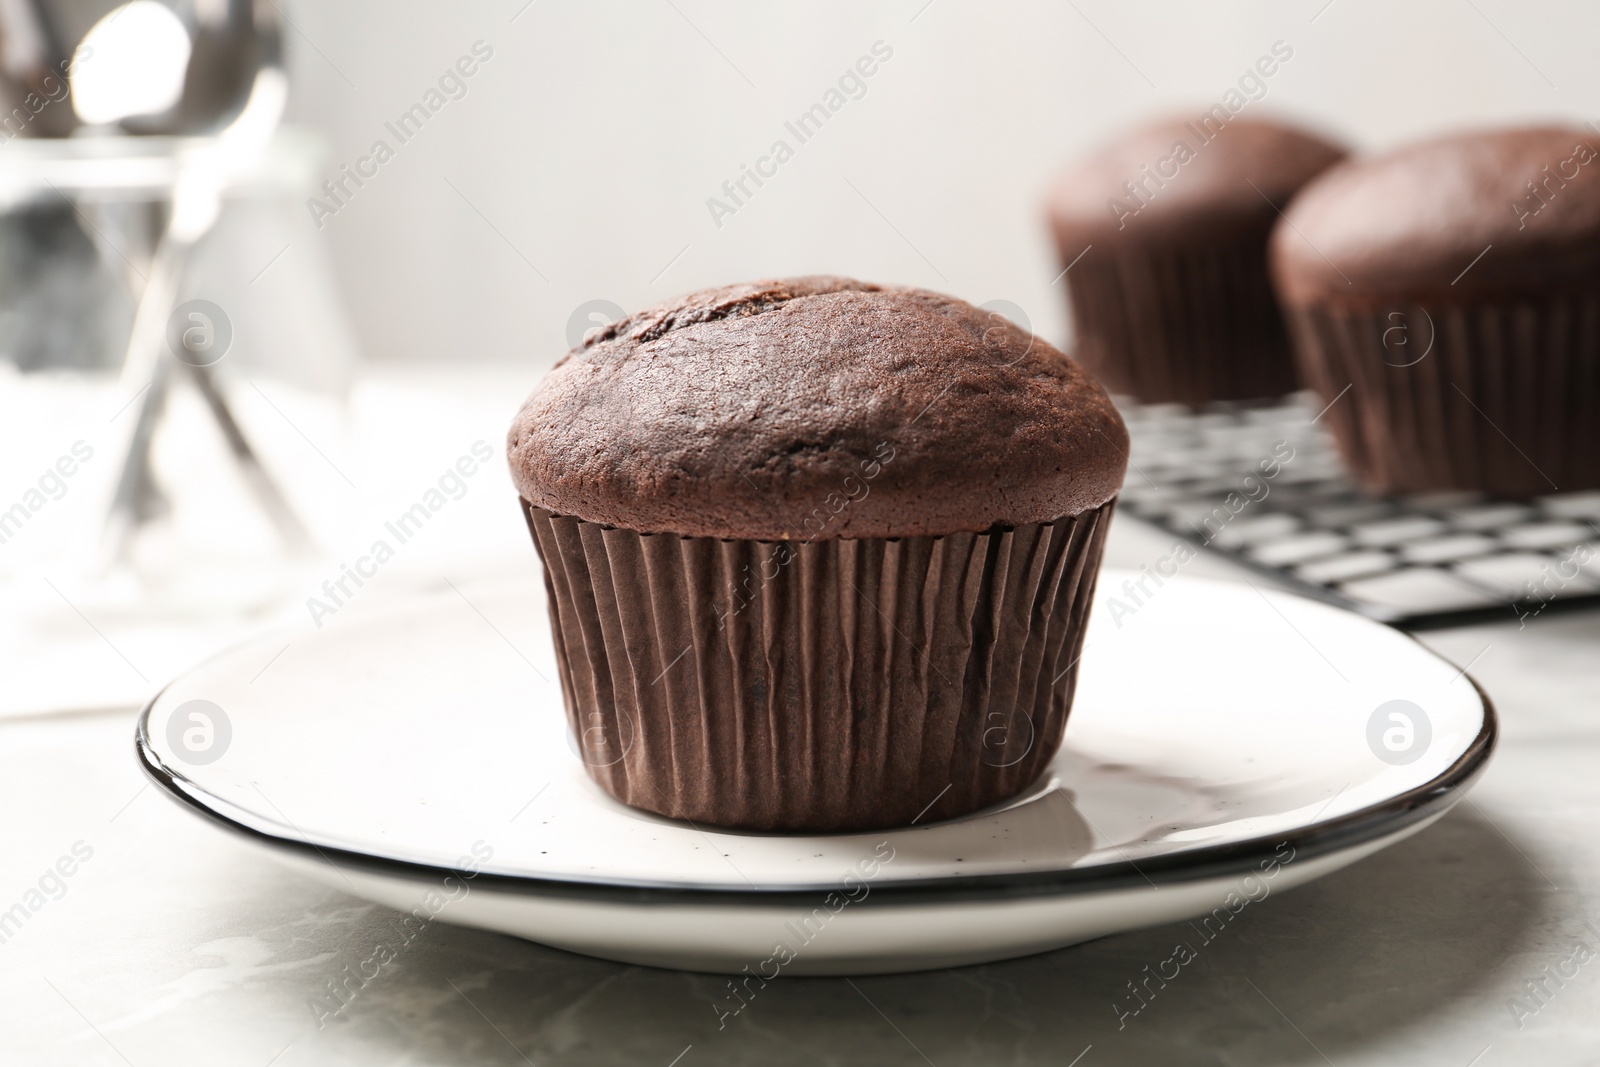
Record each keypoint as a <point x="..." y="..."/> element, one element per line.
<point x="1165" y="231"/>
<point x="1452" y="289"/>
<point x="819" y="553"/>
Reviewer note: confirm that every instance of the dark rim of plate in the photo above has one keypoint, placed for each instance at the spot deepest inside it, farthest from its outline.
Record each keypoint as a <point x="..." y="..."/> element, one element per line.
<point x="1232" y="860"/>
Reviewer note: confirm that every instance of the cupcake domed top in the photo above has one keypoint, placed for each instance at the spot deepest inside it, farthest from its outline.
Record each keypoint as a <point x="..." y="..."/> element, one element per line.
<point x="1412" y="223"/>
<point x="816" y="407"/>
<point x="1181" y="179"/>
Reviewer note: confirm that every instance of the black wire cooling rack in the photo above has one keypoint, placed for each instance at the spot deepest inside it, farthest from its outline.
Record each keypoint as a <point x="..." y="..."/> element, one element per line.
<point x="1264" y="486"/>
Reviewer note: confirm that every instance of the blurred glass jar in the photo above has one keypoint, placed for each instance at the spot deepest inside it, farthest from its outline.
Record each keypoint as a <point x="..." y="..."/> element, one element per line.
<point x="79" y="219"/>
<point x="141" y="160"/>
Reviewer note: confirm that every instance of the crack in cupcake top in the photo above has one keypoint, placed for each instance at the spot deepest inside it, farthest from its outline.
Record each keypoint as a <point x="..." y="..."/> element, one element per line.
<point x="816" y="407"/>
<point x="738" y="301"/>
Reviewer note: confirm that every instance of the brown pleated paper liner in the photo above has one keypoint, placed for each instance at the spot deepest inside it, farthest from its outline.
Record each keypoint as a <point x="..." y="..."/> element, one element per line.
<point x="1186" y="324"/>
<point x="823" y="686"/>
<point x="1506" y="400"/>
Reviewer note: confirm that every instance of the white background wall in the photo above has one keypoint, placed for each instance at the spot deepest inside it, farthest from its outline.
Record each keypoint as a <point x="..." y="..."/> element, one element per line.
<point x="587" y="146"/>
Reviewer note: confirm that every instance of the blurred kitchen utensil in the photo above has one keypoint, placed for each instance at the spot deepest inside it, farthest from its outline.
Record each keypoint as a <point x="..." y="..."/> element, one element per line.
<point x="230" y="94"/>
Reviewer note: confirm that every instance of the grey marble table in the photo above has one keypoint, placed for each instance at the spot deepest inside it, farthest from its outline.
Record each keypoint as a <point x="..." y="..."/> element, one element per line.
<point x="170" y="943"/>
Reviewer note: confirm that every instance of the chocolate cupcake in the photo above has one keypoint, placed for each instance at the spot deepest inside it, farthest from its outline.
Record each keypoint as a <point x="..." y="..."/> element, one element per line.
<point x="819" y="553"/>
<point x="1165" y="232"/>
<point x="1453" y="289"/>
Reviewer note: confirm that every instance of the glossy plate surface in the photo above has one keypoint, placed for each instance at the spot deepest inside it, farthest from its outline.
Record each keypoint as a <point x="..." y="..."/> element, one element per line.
<point x="1218" y="729"/>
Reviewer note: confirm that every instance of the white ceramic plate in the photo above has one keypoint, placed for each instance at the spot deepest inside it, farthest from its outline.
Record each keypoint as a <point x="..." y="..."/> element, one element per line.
<point x="1226" y="743"/>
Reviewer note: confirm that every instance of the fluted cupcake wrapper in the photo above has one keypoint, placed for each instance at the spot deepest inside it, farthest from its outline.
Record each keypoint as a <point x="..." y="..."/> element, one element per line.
<point x="1500" y="397"/>
<point x="1188" y="324"/>
<point x="819" y="686"/>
